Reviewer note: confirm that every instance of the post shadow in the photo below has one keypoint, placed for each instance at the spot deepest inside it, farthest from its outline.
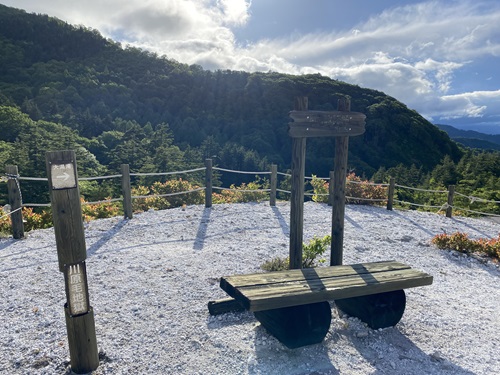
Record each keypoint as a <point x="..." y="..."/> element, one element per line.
<point x="201" y="234"/>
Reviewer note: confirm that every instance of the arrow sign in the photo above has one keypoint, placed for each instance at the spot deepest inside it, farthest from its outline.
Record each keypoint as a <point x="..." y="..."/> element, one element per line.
<point x="63" y="176"/>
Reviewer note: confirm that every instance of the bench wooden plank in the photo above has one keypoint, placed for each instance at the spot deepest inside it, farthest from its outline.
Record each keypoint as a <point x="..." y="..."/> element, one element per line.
<point x="266" y="291"/>
<point x="238" y="281"/>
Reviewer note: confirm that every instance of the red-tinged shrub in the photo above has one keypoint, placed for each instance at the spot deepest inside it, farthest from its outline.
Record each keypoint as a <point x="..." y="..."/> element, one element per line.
<point x="462" y="243"/>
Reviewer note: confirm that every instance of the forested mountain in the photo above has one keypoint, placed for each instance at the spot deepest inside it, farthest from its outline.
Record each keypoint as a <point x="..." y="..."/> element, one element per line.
<point x="63" y="86"/>
<point x="471" y="138"/>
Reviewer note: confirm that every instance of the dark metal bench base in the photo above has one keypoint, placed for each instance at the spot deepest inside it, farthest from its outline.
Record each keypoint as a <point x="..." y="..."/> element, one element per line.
<point x="297" y="326"/>
<point x="377" y="310"/>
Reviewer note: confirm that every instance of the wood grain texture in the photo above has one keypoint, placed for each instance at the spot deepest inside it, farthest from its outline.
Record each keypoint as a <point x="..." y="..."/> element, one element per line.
<point x="66" y="214"/>
<point x="272" y="290"/>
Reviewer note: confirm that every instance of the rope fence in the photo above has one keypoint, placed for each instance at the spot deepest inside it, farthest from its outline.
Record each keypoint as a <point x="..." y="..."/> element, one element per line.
<point x="392" y="191"/>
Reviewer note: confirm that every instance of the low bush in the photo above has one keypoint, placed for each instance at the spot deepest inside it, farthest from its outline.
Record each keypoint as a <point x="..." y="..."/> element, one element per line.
<point x="100" y="210"/>
<point x="462" y="243"/>
<point x="165" y="199"/>
<point x="357" y="191"/>
<point x="251" y="192"/>
<point x="310" y="253"/>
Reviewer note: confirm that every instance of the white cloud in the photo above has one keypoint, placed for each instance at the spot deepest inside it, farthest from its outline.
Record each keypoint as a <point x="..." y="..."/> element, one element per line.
<point x="411" y="52"/>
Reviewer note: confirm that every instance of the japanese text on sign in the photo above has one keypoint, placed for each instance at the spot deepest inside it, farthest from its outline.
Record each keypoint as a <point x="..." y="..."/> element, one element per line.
<point x="77" y="289"/>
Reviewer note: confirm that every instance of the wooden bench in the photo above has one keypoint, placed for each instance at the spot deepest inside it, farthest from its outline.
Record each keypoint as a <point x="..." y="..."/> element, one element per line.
<point x="293" y="305"/>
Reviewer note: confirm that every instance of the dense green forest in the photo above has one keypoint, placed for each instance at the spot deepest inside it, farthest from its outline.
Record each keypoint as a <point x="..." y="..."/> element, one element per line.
<point x="67" y="87"/>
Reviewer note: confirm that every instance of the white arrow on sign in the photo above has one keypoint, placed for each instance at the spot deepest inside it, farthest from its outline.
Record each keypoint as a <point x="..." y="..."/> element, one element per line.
<point x="63" y="176"/>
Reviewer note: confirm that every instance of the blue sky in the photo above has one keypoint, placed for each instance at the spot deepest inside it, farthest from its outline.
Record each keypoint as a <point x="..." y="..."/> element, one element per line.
<point x="439" y="57"/>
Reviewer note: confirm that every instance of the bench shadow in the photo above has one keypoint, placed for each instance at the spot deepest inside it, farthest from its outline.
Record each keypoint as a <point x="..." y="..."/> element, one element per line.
<point x="272" y="354"/>
<point x="404" y="357"/>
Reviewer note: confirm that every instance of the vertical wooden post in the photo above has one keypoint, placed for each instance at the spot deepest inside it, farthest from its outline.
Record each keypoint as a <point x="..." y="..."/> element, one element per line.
<point x="338" y="204"/>
<point x="449" y="208"/>
<point x="297" y="195"/>
<point x="126" y="192"/>
<point x="15" y="201"/>
<point x="208" y="183"/>
<point x="273" y="183"/>
<point x="71" y="252"/>
<point x="390" y="193"/>
<point x="330" y="188"/>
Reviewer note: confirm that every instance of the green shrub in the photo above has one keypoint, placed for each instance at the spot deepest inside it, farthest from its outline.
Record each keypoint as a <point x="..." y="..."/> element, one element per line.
<point x="310" y="252"/>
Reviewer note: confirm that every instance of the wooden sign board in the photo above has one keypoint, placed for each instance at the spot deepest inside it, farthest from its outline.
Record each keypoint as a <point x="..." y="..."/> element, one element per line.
<point x="325" y="124"/>
<point x="63" y="175"/>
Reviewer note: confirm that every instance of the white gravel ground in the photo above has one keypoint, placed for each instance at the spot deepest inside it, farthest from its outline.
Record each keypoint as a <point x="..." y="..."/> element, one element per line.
<point x="150" y="279"/>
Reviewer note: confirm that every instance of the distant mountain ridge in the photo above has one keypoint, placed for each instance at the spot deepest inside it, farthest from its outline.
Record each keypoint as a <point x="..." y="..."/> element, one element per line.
<point x="471" y="138"/>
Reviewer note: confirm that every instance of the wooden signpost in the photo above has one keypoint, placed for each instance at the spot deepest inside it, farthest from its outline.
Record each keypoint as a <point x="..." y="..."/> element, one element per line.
<point x="339" y="124"/>
<point x="72" y="252"/>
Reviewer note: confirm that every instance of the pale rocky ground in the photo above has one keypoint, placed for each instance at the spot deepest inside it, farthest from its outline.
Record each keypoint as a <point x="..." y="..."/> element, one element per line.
<point x="150" y="279"/>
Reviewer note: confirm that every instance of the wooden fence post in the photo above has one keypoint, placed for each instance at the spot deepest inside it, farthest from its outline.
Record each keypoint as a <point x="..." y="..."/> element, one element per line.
<point x="126" y="192"/>
<point x="338" y="204"/>
<point x="390" y="193"/>
<point x="273" y="183"/>
<point x="449" y="207"/>
<point x="208" y="183"/>
<point x="297" y="193"/>
<point x="71" y="253"/>
<point x="330" y="188"/>
<point x="15" y="201"/>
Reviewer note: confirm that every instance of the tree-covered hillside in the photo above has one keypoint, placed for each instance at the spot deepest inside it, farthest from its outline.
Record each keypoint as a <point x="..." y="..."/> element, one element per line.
<point x="66" y="86"/>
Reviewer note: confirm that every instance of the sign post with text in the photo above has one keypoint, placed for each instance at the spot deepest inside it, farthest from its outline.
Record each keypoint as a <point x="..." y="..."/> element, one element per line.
<point x="71" y="254"/>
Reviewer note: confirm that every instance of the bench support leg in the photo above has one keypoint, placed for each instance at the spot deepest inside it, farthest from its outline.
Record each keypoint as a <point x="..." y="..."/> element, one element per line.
<point x="377" y="310"/>
<point x="297" y="326"/>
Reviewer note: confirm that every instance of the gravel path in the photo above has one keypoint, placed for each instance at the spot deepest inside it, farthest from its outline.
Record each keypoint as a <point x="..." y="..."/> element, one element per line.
<point x="150" y="279"/>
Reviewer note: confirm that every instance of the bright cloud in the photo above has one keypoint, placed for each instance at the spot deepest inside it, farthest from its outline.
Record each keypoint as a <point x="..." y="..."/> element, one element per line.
<point x="412" y="52"/>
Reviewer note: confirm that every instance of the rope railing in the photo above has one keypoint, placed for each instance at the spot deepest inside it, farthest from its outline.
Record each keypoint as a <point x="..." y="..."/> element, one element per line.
<point x="242" y="190"/>
<point x="476" y="199"/>
<point x="167" y="173"/>
<point x="127" y="197"/>
<point x="419" y="189"/>
<point x="167" y="195"/>
<point x="239" y="172"/>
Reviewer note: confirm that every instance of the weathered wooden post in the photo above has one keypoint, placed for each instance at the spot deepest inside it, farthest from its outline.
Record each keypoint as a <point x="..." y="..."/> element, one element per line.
<point x="273" y="183"/>
<point x="297" y="195"/>
<point x="449" y="206"/>
<point x="72" y="252"/>
<point x="330" y="188"/>
<point x="340" y="124"/>
<point x="339" y="177"/>
<point x="208" y="183"/>
<point x="15" y="201"/>
<point x="390" y="193"/>
<point x="126" y="192"/>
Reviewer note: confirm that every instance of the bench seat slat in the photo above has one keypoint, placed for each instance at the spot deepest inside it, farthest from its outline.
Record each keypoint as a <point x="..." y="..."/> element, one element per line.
<point x="265" y="278"/>
<point x="266" y="291"/>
